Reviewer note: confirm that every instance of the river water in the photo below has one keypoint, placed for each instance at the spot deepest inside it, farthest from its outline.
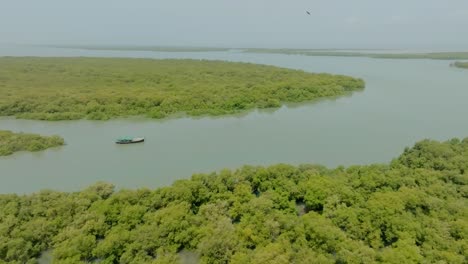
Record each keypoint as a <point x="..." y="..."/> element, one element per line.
<point x="404" y="101"/>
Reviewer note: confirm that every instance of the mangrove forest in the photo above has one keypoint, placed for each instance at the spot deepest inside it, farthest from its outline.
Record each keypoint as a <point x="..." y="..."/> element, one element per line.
<point x="412" y="210"/>
<point x="103" y="88"/>
<point x="459" y="64"/>
<point x="12" y="142"/>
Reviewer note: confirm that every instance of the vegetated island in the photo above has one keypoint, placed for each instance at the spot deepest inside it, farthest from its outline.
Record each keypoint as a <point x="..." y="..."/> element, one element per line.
<point x="307" y="52"/>
<point x="12" y="142"/>
<point x="412" y="210"/>
<point x="141" y="48"/>
<point x="335" y="53"/>
<point x="103" y="88"/>
<point x="459" y="64"/>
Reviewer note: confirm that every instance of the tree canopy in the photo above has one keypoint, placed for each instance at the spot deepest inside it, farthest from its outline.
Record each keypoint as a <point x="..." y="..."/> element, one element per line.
<point x="460" y="64"/>
<point x="12" y="142"/>
<point x="103" y="88"/>
<point x="412" y="210"/>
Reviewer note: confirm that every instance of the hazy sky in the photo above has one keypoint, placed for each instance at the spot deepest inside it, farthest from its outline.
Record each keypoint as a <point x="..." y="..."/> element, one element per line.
<point x="238" y="23"/>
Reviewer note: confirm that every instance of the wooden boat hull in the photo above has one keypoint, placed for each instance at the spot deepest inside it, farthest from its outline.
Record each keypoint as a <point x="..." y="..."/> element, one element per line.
<point x="133" y="141"/>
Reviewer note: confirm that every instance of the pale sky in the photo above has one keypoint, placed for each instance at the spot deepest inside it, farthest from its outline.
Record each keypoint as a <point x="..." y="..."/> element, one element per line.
<point x="238" y="23"/>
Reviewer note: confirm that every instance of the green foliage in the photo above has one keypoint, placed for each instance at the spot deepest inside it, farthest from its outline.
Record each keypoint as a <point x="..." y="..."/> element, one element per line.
<point x="459" y="64"/>
<point x="104" y="88"/>
<point x="12" y="142"/>
<point x="410" y="211"/>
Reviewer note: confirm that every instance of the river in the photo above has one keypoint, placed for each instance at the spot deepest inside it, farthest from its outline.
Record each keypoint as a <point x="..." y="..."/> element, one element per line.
<point x="404" y="101"/>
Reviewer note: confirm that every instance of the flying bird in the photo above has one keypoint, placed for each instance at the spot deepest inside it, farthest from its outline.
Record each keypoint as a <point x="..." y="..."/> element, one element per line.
<point x="308" y="13"/>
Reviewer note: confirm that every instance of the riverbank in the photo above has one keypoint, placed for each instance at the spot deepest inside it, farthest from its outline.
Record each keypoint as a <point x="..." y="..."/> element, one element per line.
<point x="13" y="142"/>
<point x="374" y="213"/>
<point x="104" y="88"/>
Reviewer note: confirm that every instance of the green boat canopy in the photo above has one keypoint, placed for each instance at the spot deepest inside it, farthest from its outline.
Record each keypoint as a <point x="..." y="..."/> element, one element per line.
<point x="125" y="139"/>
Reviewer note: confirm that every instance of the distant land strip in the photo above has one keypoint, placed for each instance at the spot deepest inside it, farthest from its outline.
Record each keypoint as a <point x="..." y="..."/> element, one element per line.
<point x="334" y="53"/>
<point x="142" y="48"/>
<point x="462" y="55"/>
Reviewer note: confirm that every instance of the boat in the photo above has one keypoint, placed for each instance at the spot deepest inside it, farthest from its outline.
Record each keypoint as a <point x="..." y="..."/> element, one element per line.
<point x="129" y="140"/>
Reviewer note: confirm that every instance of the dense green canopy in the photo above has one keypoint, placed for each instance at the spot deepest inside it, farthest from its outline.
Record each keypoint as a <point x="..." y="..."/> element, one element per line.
<point x="12" y="142"/>
<point x="102" y="88"/>
<point x="460" y="64"/>
<point x="413" y="210"/>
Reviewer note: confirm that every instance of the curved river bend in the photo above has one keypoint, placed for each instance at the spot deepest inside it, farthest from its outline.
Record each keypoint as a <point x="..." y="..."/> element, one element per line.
<point x="404" y="101"/>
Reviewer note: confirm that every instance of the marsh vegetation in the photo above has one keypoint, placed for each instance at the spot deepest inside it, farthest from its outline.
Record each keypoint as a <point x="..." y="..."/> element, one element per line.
<point x="412" y="210"/>
<point x="460" y="64"/>
<point x="103" y="88"/>
<point x="12" y="142"/>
